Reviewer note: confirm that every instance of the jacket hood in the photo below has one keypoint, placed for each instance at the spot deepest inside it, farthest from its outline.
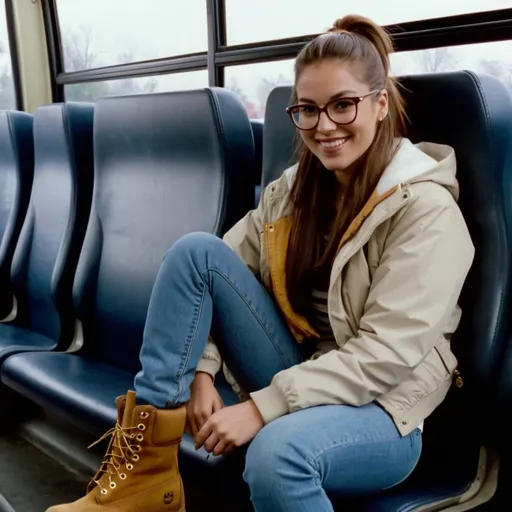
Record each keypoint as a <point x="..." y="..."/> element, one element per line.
<point x="414" y="163"/>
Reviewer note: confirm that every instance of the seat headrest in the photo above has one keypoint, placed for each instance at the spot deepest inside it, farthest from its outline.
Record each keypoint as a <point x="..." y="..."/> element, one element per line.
<point x="194" y="138"/>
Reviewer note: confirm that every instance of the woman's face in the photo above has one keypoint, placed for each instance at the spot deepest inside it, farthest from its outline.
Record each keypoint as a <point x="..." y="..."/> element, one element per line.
<point x="332" y="83"/>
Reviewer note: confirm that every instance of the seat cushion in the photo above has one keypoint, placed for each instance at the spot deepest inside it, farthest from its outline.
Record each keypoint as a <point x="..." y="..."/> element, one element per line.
<point x="14" y="339"/>
<point x="410" y="496"/>
<point x="80" y="389"/>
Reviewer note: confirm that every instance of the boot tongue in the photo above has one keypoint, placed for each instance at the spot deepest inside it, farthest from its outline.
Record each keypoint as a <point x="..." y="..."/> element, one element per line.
<point x="128" y="409"/>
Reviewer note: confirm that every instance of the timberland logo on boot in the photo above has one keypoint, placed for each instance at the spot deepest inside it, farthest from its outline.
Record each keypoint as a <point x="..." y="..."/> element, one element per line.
<point x="168" y="498"/>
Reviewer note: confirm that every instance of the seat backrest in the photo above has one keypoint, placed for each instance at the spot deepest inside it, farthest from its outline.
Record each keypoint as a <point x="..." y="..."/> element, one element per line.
<point x="473" y="114"/>
<point x="165" y="164"/>
<point x="279" y="136"/>
<point x="16" y="172"/>
<point x="47" y="254"/>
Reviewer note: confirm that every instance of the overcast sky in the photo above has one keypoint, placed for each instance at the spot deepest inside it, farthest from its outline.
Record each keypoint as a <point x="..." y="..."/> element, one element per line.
<point x="121" y="30"/>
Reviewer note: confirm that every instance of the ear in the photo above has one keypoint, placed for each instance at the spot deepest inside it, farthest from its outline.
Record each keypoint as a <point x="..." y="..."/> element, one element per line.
<point x="382" y="105"/>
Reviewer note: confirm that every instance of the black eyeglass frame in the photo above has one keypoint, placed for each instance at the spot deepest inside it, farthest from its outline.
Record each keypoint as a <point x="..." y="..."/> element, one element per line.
<point x="356" y="99"/>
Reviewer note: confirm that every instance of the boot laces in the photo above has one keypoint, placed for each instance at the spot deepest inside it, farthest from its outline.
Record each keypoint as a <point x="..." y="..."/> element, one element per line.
<point x="120" y="450"/>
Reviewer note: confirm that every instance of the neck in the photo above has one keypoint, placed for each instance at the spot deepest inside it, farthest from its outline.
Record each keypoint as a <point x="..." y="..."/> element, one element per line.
<point x="343" y="177"/>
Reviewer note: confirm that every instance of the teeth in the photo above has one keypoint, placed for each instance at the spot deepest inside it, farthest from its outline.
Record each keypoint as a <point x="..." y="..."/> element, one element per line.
<point x="334" y="143"/>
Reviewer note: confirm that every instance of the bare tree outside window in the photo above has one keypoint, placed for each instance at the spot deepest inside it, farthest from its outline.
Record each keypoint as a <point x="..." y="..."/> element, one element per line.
<point x="436" y="60"/>
<point x="79" y="54"/>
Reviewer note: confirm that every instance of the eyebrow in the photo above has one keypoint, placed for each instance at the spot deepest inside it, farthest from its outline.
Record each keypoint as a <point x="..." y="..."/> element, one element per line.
<point x="333" y="97"/>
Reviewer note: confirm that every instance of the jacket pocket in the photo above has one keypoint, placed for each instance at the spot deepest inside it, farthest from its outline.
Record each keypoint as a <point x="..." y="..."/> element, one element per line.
<point x="450" y="363"/>
<point x="447" y="357"/>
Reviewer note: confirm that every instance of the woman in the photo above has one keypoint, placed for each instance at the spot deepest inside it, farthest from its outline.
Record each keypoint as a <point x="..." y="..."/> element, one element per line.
<point x="332" y="304"/>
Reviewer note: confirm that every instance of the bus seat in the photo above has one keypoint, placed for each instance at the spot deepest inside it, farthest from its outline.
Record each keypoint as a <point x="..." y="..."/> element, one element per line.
<point x="257" y="132"/>
<point x="16" y="172"/>
<point x="49" y="245"/>
<point x="165" y="165"/>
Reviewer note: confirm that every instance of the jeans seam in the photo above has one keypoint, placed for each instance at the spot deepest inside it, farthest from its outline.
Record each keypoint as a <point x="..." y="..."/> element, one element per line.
<point x="252" y="310"/>
<point x="189" y="343"/>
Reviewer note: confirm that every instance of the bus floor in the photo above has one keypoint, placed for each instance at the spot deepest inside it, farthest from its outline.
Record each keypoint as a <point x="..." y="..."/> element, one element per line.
<point x="31" y="481"/>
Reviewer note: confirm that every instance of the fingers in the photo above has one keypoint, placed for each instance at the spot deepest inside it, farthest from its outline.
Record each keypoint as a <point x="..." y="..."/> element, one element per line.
<point x="203" y="435"/>
<point x="223" y="447"/>
<point x="212" y="441"/>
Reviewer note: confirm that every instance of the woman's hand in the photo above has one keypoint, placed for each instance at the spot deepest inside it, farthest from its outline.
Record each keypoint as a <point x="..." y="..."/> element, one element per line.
<point x="204" y="401"/>
<point x="229" y="428"/>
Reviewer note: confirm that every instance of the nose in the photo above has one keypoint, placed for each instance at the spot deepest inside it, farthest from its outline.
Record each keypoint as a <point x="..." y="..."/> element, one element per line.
<point x="325" y="124"/>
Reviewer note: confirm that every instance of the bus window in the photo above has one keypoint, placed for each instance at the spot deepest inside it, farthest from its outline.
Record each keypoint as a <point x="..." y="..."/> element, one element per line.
<point x="491" y="58"/>
<point x="101" y="33"/>
<point x="253" y="83"/>
<point x="289" y="18"/>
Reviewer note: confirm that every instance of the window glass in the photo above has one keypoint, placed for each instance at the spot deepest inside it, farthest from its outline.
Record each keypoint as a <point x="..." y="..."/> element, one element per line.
<point x="290" y="18"/>
<point x="253" y="82"/>
<point x="97" y="33"/>
<point x="7" y="94"/>
<point x="490" y="58"/>
<point x="92" y="91"/>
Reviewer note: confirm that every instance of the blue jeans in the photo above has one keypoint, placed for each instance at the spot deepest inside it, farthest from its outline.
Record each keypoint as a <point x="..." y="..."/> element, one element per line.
<point x="297" y="461"/>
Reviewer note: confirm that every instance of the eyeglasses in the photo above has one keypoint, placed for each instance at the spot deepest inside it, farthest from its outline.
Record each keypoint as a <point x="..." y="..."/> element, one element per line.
<point x="341" y="111"/>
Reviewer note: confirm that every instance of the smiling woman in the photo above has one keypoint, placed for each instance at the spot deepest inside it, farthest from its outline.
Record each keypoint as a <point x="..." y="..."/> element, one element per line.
<point x="304" y="299"/>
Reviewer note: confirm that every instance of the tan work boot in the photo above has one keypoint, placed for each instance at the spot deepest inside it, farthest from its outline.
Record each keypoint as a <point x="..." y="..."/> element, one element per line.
<point x="140" y="469"/>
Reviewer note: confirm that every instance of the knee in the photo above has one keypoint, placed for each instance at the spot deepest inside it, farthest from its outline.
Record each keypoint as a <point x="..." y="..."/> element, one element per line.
<point x="193" y="245"/>
<point x="272" y="458"/>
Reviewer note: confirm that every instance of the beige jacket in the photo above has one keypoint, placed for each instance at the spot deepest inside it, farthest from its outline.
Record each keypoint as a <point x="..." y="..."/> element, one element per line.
<point x="393" y="307"/>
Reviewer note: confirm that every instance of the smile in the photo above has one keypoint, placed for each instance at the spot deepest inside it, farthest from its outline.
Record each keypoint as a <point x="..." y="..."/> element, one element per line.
<point x="332" y="145"/>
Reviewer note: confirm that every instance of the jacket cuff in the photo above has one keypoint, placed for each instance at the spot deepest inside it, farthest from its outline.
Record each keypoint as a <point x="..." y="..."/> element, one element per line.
<point x="209" y="366"/>
<point x="271" y="403"/>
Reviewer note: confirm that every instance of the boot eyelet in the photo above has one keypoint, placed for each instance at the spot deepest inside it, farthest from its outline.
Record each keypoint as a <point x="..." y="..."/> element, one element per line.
<point x="144" y="415"/>
<point x="104" y="492"/>
<point x="141" y="426"/>
<point x="129" y="467"/>
<point x="122" y="476"/>
<point x="137" y="448"/>
<point x="140" y="438"/>
<point x="113" y="485"/>
<point x="135" y="457"/>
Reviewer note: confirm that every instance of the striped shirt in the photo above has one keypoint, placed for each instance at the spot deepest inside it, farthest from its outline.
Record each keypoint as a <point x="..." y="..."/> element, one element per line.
<point x="320" y="316"/>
